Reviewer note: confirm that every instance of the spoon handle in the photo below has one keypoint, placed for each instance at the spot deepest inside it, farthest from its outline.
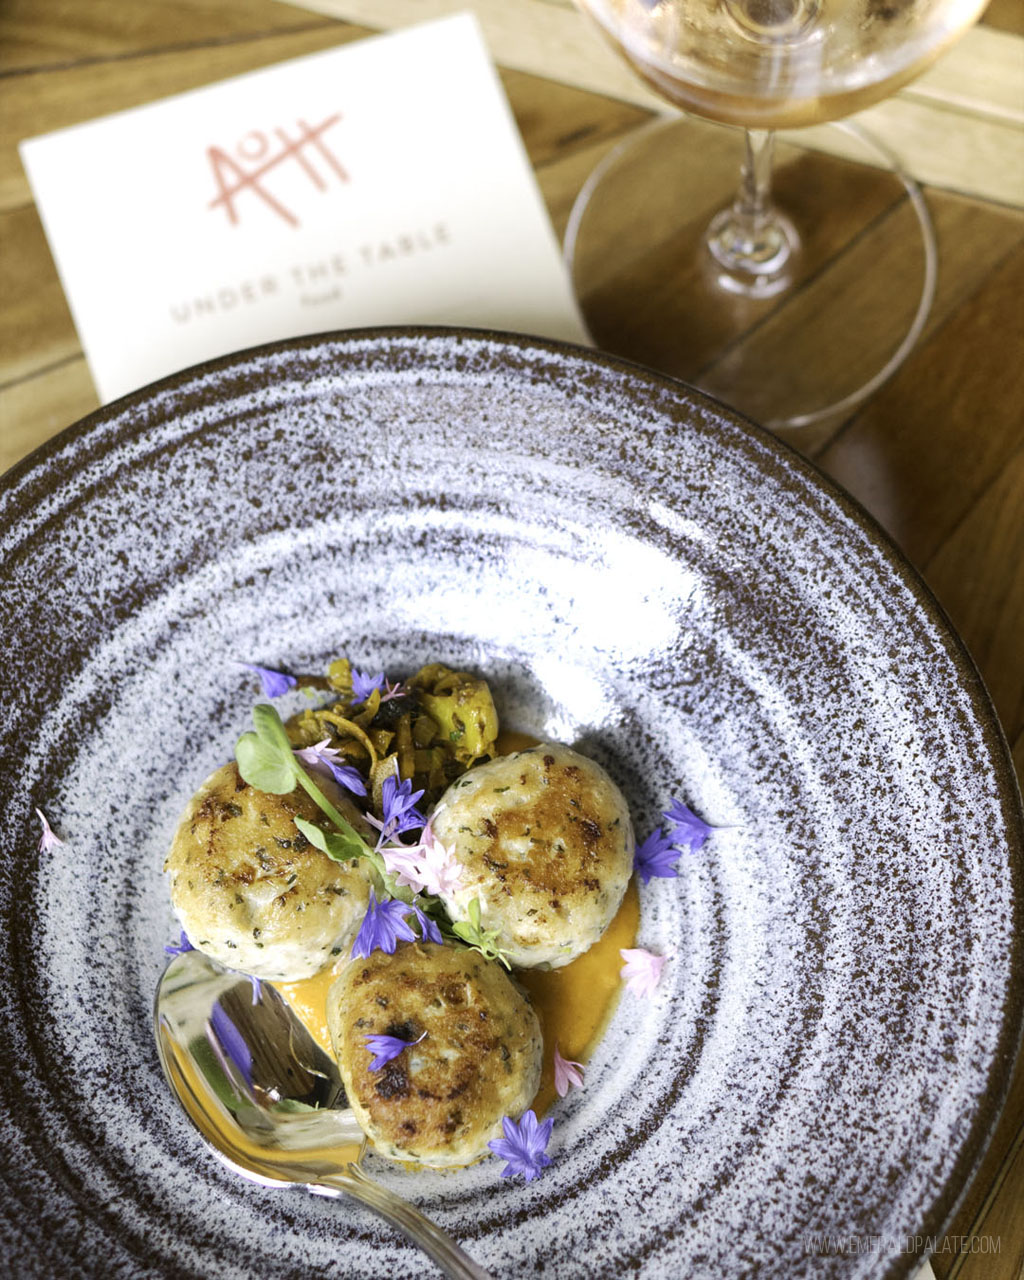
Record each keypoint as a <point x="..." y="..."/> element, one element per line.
<point x="437" y="1244"/>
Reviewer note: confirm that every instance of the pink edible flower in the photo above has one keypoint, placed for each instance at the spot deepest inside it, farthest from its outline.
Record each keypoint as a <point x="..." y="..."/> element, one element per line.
<point x="48" y="840"/>
<point x="642" y="969"/>
<point x="568" y="1074"/>
<point x="425" y="867"/>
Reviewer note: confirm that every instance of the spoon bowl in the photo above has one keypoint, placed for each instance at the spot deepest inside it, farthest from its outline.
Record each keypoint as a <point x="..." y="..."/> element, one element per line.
<point x="268" y="1102"/>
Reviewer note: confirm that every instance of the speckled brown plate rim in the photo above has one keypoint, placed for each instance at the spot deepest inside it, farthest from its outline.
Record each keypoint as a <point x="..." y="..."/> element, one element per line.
<point x="779" y="459"/>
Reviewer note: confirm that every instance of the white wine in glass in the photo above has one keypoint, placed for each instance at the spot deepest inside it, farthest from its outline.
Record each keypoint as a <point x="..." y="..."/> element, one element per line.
<point x="725" y="266"/>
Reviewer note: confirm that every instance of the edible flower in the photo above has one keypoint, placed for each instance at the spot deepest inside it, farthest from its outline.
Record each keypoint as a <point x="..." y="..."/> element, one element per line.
<point x="363" y="685"/>
<point x="426" y="867"/>
<point x="325" y="758"/>
<point x="523" y="1146"/>
<point x="687" y="830"/>
<point x="568" y="1074"/>
<point x="387" y="1048"/>
<point x="642" y="969"/>
<point x="429" y="930"/>
<point x="229" y="1041"/>
<point x="48" y="840"/>
<point x="398" y="805"/>
<point x="657" y="856"/>
<point x="275" y="683"/>
<point x="385" y="925"/>
<point x="180" y="947"/>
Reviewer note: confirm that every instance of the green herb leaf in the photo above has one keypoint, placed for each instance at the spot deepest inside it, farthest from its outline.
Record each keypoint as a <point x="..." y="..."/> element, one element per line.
<point x="477" y="939"/>
<point x="270" y="728"/>
<point x="260" y="764"/>
<point x="343" y="847"/>
<point x="289" y="1105"/>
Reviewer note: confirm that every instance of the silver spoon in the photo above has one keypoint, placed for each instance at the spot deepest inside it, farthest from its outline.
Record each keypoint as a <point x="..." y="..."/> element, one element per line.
<point x="268" y="1101"/>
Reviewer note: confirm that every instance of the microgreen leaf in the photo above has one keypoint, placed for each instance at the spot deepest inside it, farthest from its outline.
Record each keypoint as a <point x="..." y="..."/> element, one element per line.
<point x="270" y="729"/>
<point x="340" y="846"/>
<point x="262" y="766"/>
<point x="478" y="939"/>
<point x="292" y="1106"/>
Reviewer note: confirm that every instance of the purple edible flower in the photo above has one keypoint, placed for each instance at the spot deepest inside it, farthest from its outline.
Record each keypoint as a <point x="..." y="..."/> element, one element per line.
<point x="225" y="1036"/>
<point x="657" y="856"/>
<point x="428" y="928"/>
<point x="687" y="830"/>
<point x="398" y="801"/>
<point x="387" y="1048"/>
<point x="180" y="947"/>
<point x="325" y="758"/>
<point x="398" y="804"/>
<point x="384" y="926"/>
<point x="363" y="684"/>
<point x="523" y="1146"/>
<point x="275" y="683"/>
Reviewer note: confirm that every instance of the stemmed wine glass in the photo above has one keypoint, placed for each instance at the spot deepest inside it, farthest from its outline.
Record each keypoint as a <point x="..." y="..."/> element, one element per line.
<point x="672" y="266"/>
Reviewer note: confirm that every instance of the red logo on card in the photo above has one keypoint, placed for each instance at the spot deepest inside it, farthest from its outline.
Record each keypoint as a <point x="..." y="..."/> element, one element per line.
<point x="259" y="156"/>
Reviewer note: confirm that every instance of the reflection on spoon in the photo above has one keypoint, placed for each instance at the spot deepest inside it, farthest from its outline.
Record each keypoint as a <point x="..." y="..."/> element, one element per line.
<point x="268" y="1101"/>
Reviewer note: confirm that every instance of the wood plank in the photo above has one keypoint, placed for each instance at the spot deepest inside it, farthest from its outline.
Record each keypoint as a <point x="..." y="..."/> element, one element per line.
<point x="36" y="329"/>
<point x="920" y="482"/>
<point x="35" y="104"/>
<point x="982" y="88"/>
<point x="991" y="1222"/>
<point x="983" y="76"/>
<point x="51" y="33"/>
<point x="978" y="575"/>
<point x="556" y="120"/>
<point x="33" y="410"/>
<point x="1005" y="15"/>
<point x="937" y="145"/>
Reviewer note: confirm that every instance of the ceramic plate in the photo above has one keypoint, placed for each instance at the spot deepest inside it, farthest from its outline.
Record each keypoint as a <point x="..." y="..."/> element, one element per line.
<point x="637" y="572"/>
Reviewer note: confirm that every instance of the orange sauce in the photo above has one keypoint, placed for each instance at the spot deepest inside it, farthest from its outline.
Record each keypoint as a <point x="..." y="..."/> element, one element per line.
<point x="574" y="1004"/>
<point x="308" y="997"/>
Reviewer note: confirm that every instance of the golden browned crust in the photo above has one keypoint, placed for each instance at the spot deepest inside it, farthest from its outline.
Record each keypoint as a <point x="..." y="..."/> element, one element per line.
<point x="441" y="1101"/>
<point x="546" y="845"/>
<point x="251" y="890"/>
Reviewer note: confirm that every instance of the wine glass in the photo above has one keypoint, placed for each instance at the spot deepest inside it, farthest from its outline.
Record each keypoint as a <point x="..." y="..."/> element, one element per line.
<point x="750" y="294"/>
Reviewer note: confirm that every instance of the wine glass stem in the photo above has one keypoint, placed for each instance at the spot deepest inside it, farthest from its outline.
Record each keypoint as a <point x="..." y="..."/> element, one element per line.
<point x="754" y="201"/>
<point x="752" y="242"/>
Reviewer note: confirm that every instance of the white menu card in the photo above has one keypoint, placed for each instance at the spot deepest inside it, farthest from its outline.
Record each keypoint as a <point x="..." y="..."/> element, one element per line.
<point x="383" y="182"/>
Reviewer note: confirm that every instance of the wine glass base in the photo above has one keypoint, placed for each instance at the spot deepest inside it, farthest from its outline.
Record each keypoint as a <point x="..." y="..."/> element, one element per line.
<point x="808" y="335"/>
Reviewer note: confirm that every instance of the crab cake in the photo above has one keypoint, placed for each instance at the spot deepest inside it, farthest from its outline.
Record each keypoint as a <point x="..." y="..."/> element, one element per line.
<point x="249" y="888"/>
<point x="546" y="846"/>
<point x="439" y="1102"/>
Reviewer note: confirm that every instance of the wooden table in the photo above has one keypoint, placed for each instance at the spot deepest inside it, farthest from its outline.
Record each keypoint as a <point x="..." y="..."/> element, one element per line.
<point x="937" y="456"/>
